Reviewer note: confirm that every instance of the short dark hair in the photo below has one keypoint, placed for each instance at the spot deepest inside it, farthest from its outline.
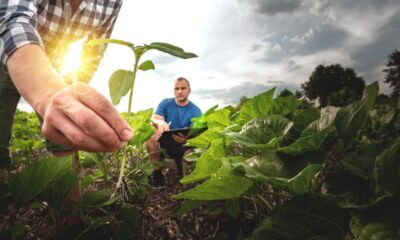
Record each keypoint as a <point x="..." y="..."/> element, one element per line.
<point x="183" y="79"/>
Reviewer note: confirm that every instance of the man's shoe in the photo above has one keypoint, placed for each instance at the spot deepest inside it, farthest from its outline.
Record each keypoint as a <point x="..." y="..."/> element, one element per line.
<point x="157" y="178"/>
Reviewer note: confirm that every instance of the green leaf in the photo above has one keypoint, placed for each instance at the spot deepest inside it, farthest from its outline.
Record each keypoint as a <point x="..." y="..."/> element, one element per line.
<point x="364" y="228"/>
<point x="258" y="106"/>
<point x="273" y="172"/>
<point x="131" y="215"/>
<point x="109" y="40"/>
<point x="140" y="123"/>
<point x="218" y="119"/>
<point x="361" y="161"/>
<point x="170" y="49"/>
<point x="38" y="177"/>
<point x="217" y="188"/>
<point x="349" y="119"/>
<point x="147" y="65"/>
<point x="266" y="165"/>
<point x="121" y="81"/>
<point x="199" y="122"/>
<point x="139" y="51"/>
<point x="205" y="139"/>
<point x="355" y="201"/>
<point x="386" y="171"/>
<point x="211" y="110"/>
<point x="261" y="131"/>
<point x="304" y="217"/>
<point x="308" y="143"/>
<point x="56" y="193"/>
<point x="208" y="163"/>
<point x="370" y="93"/>
<point x="93" y="199"/>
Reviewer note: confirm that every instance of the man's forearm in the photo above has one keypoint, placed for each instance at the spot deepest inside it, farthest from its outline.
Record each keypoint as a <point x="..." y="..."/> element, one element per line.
<point x="33" y="76"/>
<point x="76" y="116"/>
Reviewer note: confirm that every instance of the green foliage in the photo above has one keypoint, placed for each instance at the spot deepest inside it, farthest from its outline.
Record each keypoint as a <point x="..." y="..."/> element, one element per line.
<point x="123" y="81"/>
<point x="392" y="71"/>
<point x="170" y="49"/>
<point x="285" y="93"/>
<point x="256" y="107"/>
<point x="208" y="163"/>
<point x="328" y="152"/>
<point x="303" y="217"/>
<point x="263" y="130"/>
<point x="334" y="85"/>
<point x="379" y="222"/>
<point x="42" y="176"/>
<point x="386" y="172"/>
<point x="140" y="123"/>
<point x="26" y="137"/>
<point x="293" y="171"/>
<point x="93" y="199"/>
<point x="120" y="83"/>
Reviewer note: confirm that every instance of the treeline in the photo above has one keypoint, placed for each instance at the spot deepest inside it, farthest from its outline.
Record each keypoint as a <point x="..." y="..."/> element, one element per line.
<point x="335" y="85"/>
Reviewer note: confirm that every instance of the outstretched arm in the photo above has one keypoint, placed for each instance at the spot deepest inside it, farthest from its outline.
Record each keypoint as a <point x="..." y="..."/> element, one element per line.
<point x="76" y="116"/>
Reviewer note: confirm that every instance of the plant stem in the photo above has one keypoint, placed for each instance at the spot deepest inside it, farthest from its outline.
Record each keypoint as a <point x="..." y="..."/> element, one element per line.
<point x="135" y="67"/>
<point x="125" y="151"/>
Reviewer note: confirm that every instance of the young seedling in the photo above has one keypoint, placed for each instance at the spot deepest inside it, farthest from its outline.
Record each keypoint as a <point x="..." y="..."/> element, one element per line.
<point x="123" y="81"/>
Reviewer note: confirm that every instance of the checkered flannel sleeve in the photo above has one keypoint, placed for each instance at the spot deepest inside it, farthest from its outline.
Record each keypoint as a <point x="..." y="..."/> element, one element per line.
<point x="17" y="21"/>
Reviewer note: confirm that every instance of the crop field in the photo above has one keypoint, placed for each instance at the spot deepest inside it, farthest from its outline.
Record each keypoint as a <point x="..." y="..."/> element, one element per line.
<point x="272" y="168"/>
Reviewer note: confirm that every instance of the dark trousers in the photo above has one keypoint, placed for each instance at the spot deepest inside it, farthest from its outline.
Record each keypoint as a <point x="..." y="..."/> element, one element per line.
<point x="9" y="98"/>
<point x="176" y="151"/>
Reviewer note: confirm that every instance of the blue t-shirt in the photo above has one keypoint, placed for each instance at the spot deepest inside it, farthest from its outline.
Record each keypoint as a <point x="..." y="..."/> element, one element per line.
<point x="178" y="116"/>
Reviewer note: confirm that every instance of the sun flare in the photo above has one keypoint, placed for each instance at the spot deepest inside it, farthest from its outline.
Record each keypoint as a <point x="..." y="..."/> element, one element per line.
<point x="72" y="59"/>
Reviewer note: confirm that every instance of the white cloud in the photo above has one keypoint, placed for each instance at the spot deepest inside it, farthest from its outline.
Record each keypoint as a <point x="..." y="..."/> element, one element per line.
<point x="277" y="48"/>
<point x="252" y="41"/>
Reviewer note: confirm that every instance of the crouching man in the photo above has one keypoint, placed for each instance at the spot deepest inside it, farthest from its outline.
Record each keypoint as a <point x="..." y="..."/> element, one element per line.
<point x="172" y="113"/>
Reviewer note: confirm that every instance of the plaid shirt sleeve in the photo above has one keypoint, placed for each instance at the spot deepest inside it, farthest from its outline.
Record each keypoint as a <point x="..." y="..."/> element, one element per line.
<point x="17" y="26"/>
<point x="92" y="55"/>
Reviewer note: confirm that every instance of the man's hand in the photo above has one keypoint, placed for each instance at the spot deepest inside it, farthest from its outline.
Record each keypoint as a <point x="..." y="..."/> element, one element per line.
<point x="81" y="118"/>
<point x="161" y="127"/>
<point x="179" y="138"/>
<point x="76" y="116"/>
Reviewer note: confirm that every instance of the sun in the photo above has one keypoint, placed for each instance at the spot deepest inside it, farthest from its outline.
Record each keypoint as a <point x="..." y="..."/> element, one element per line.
<point x="72" y="59"/>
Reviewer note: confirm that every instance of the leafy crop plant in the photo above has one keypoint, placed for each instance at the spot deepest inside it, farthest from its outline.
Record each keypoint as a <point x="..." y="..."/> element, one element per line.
<point x="123" y="81"/>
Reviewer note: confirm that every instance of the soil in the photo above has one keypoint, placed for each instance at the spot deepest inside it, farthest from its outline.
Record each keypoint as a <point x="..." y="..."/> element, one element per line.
<point x="158" y="220"/>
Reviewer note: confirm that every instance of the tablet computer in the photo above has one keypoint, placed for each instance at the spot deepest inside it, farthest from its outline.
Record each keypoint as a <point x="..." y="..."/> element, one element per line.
<point x="189" y="132"/>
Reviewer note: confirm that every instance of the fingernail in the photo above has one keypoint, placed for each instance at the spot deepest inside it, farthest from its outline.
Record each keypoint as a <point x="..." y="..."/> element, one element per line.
<point x="127" y="134"/>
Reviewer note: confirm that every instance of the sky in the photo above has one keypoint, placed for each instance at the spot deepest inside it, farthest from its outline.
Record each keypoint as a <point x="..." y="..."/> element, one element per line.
<point x="248" y="47"/>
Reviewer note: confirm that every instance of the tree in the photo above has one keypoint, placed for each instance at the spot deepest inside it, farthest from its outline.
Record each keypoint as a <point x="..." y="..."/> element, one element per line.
<point x="285" y="93"/>
<point x="393" y="72"/>
<point x="298" y="94"/>
<point x="242" y="101"/>
<point x="334" y="85"/>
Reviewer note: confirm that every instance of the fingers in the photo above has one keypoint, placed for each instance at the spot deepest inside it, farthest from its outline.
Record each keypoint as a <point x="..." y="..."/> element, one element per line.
<point x="105" y="110"/>
<point x="71" y="136"/>
<point x="179" y="138"/>
<point x="93" y="126"/>
<point x="81" y="118"/>
<point x="162" y="128"/>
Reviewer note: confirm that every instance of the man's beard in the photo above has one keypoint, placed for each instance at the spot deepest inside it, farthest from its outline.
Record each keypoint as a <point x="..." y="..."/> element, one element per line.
<point x="182" y="100"/>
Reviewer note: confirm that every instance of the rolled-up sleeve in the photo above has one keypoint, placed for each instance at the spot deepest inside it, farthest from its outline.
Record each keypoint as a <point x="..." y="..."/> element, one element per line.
<point x="18" y="19"/>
